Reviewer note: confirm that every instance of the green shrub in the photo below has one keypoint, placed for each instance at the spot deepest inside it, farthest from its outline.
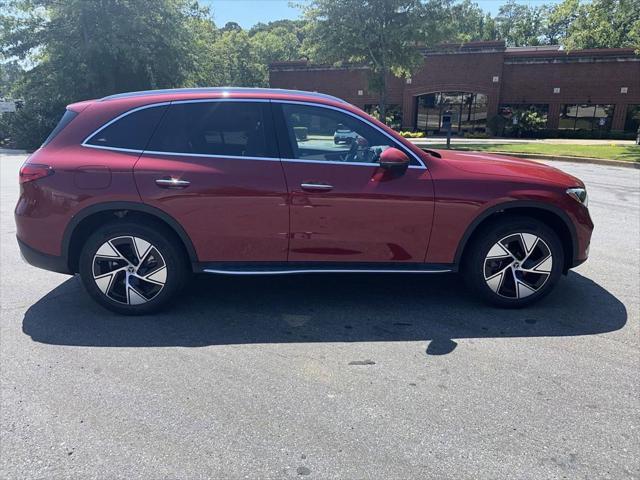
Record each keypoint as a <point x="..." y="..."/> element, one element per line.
<point x="476" y="135"/>
<point x="527" y="122"/>
<point x="409" y="134"/>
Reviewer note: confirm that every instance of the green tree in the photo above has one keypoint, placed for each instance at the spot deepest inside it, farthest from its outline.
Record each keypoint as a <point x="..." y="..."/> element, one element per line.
<point x="231" y="27"/>
<point x="559" y="19"/>
<point x="520" y="25"/>
<point x="80" y="49"/>
<point x="604" y="24"/>
<point x="377" y="33"/>
<point x="298" y="27"/>
<point x="10" y="72"/>
<point x="471" y="22"/>
<point x="451" y="21"/>
<point x="236" y="62"/>
<point x="278" y="41"/>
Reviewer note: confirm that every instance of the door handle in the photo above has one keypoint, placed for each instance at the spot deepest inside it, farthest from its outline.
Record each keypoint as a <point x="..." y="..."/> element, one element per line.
<point x="172" y="183"/>
<point x="315" y="187"/>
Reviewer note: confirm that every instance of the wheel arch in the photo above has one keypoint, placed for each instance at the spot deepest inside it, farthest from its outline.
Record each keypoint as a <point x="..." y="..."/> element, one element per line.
<point x="551" y="215"/>
<point x="81" y="225"/>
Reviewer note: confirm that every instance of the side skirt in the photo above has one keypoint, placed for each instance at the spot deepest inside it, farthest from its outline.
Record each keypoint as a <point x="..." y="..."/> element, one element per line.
<point x="289" y="268"/>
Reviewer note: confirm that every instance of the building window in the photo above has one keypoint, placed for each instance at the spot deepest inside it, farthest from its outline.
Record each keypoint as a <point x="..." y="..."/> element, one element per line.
<point x="394" y="114"/>
<point x="517" y="110"/>
<point x="585" y="116"/>
<point x="632" y="122"/>
<point x="468" y="111"/>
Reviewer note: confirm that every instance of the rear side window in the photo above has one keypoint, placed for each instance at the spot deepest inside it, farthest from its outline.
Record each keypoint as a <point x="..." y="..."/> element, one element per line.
<point x="132" y="131"/>
<point x="64" y="121"/>
<point x="234" y="129"/>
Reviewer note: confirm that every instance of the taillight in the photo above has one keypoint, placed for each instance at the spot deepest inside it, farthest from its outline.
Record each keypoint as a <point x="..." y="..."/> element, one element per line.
<point x="33" y="171"/>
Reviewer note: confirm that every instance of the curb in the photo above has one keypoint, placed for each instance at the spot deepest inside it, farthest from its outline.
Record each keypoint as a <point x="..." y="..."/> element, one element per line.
<point x="595" y="161"/>
<point x="11" y="151"/>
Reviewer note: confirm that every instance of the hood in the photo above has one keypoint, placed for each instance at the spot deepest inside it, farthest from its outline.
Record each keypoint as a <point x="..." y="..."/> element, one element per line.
<point x="492" y="165"/>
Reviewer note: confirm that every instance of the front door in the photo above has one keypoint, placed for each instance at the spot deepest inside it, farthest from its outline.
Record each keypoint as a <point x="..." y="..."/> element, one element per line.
<point x="213" y="166"/>
<point x="344" y="207"/>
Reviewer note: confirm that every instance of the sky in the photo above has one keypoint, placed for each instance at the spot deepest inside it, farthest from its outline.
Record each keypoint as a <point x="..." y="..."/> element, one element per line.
<point x="249" y="12"/>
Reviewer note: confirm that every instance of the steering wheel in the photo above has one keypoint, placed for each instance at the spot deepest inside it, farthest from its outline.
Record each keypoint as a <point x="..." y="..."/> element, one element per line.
<point x="353" y="151"/>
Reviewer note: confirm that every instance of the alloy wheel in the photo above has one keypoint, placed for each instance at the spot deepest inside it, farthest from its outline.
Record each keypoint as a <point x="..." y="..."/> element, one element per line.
<point x="518" y="265"/>
<point x="129" y="270"/>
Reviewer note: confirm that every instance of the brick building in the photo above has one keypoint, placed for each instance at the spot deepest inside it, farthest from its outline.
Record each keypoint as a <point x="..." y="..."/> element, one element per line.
<point x="592" y="90"/>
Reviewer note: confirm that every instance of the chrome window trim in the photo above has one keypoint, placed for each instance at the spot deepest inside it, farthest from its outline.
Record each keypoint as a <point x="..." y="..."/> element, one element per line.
<point x="210" y="155"/>
<point x="319" y="270"/>
<point x="236" y="157"/>
<point x="114" y="149"/>
<point x="330" y="162"/>
<point x="152" y="105"/>
<point x="421" y="165"/>
<point x="84" y="143"/>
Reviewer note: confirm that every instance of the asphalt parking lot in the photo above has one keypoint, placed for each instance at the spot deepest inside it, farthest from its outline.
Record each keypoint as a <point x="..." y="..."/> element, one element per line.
<point x="330" y="376"/>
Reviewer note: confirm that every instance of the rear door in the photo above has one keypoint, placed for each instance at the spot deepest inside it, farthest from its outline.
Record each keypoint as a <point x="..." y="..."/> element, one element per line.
<point x="344" y="206"/>
<point x="213" y="165"/>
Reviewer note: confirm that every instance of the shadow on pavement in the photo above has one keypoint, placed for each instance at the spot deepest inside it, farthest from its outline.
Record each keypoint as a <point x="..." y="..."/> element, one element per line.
<point x="323" y="308"/>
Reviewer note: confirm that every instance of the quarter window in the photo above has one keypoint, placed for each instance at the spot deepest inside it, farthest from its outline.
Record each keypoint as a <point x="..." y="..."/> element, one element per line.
<point x="64" y="121"/>
<point x="323" y="134"/>
<point x="132" y="131"/>
<point x="234" y="129"/>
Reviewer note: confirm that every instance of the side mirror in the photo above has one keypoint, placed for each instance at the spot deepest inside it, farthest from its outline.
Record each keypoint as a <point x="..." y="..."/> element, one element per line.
<point x="394" y="160"/>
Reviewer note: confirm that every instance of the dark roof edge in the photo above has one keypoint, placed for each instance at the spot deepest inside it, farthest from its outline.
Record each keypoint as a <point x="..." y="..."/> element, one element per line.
<point x="590" y="52"/>
<point x="498" y="46"/>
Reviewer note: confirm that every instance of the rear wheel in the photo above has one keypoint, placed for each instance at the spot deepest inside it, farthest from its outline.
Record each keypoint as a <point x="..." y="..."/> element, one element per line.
<point x="514" y="263"/>
<point x="132" y="269"/>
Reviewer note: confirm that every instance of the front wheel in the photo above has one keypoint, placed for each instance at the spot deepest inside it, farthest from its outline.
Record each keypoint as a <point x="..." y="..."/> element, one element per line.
<point x="132" y="269"/>
<point x="514" y="263"/>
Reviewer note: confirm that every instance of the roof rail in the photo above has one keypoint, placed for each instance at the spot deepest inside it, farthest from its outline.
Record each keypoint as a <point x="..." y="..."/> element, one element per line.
<point x="229" y="90"/>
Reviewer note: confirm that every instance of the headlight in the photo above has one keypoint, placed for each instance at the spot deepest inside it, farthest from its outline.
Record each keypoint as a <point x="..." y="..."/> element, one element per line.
<point x="580" y="194"/>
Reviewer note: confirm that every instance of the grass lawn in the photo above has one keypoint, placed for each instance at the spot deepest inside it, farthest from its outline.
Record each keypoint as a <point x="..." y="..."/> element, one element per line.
<point x="630" y="153"/>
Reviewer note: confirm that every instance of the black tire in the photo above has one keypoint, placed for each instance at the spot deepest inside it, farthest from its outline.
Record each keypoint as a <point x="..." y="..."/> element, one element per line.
<point x="125" y="295"/>
<point x="513" y="289"/>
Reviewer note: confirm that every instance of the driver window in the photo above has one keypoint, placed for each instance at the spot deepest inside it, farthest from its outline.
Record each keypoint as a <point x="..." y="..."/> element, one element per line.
<point x="323" y="134"/>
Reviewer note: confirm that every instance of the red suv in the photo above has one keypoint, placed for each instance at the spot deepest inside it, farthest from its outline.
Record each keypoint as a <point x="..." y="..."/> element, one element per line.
<point x="136" y="191"/>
